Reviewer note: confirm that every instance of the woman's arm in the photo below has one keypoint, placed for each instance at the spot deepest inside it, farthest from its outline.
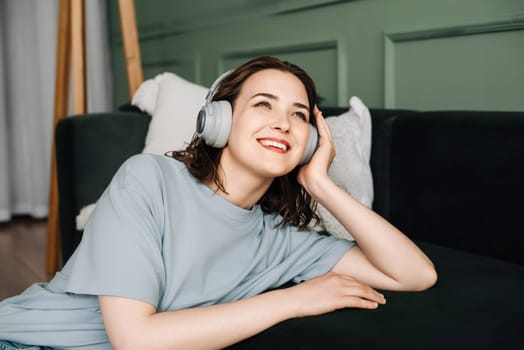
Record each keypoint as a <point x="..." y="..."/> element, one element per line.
<point x="384" y="257"/>
<point x="132" y="324"/>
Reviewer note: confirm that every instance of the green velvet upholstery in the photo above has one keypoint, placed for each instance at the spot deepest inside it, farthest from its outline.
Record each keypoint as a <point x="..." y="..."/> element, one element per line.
<point x="457" y="179"/>
<point x="90" y="148"/>
<point x="476" y="304"/>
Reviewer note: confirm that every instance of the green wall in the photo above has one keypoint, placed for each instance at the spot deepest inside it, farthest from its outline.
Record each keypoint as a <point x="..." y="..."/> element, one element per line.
<point x="424" y="54"/>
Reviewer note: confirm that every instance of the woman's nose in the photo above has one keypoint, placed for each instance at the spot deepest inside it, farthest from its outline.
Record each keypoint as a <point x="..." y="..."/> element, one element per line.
<point x="280" y="123"/>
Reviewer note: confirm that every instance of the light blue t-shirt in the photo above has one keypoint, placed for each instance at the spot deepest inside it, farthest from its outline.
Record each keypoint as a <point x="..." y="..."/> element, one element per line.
<point x="160" y="236"/>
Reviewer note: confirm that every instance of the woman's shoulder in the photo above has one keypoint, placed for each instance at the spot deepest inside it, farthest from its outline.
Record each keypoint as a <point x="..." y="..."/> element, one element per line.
<point x="149" y="160"/>
<point x="146" y="164"/>
<point x="147" y="169"/>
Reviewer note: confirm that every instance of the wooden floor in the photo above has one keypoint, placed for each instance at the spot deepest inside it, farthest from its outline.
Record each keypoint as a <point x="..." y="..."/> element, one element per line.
<point x="22" y="254"/>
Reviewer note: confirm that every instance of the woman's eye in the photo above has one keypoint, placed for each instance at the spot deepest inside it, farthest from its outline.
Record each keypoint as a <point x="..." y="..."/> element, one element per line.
<point x="263" y="104"/>
<point x="300" y="115"/>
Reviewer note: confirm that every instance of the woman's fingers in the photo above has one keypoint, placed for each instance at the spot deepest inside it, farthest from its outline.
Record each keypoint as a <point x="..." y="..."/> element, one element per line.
<point x="323" y="129"/>
<point x="357" y="303"/>
<point x="326" y="151"/>
<point x="352" y="288"/>
<point x="334" y="291"/>
<point x="322" y="126"/>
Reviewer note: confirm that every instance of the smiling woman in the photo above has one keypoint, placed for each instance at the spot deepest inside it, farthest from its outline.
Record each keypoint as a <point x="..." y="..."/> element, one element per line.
<point x="206" y="233"/>
<point x="274" y="105"/>
<point x="259" y="118"/>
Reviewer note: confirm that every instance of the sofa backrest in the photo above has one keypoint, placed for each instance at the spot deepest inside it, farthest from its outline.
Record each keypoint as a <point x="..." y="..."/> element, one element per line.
<point x="454" y="178"/>
<point x="89" y="150"/>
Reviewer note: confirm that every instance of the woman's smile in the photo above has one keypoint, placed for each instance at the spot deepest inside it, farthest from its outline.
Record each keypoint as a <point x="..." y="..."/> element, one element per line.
<point x="274" y="144"/>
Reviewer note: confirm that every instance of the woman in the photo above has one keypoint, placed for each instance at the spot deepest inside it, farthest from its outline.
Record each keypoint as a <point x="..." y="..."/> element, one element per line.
<point x="179" y="252"/>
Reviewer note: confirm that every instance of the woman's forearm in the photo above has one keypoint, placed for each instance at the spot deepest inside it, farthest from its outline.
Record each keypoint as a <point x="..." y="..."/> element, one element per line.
<point x="135" y="325"/>
<point x="388" y="249"/>
<point x="223" y="324"/>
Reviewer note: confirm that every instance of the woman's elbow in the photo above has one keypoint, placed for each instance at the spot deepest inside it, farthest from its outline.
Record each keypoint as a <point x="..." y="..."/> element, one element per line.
<point x="418" y="280"/>
<point x="426" y="279"/>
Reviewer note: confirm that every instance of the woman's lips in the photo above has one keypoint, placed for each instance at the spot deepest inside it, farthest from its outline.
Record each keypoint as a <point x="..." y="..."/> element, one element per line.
<point x="274" y="144"/>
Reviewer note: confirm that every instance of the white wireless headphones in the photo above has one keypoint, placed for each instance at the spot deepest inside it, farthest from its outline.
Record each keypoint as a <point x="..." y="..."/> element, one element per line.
<point x="214" y="122"/>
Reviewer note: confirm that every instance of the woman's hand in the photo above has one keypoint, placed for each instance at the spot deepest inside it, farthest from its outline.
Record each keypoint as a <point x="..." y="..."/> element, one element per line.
<point x="333" y="291"/>
<point x="316" y="170"/>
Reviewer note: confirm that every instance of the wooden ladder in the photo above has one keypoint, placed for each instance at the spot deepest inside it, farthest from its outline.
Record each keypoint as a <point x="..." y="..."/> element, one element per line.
<point x="71" y="47"/>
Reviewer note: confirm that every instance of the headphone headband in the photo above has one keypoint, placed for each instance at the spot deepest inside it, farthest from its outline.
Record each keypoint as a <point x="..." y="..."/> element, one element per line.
<point x="212" y="90"/>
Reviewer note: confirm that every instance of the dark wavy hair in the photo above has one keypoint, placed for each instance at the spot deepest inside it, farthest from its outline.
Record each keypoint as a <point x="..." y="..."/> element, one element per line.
<point x="285" y="196"/>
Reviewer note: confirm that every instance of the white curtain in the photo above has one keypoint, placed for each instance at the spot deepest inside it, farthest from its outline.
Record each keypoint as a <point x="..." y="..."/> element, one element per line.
<point x="28" y="36"/>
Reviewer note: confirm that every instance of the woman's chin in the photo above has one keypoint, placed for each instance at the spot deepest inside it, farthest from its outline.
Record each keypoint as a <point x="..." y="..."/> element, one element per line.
<point x="277" y="170"/>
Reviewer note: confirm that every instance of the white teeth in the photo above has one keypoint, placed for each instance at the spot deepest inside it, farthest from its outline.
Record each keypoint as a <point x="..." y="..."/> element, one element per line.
<point x="274" y="144"/>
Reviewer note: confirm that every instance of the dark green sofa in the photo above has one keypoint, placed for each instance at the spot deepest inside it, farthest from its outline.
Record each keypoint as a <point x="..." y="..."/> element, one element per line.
<point x="451" y="180"/>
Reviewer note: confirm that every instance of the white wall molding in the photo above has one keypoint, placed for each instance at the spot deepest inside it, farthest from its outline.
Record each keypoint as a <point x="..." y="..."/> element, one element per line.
<point x="179" y="64"/>
<point x="394" y="37"/>
<point x="240" y="13"/>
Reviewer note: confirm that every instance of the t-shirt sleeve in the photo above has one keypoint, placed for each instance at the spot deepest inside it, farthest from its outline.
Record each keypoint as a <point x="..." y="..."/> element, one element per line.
<point x="121" y="249"/>
<point x="313" y="254"/>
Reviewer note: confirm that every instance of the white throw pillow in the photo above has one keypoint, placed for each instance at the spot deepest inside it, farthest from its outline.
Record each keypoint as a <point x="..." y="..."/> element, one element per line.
<point x="173" y="121"/>
<point x="350" y="169"/>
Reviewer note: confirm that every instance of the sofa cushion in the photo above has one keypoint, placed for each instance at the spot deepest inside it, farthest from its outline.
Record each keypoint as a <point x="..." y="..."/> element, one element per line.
<point x="475" y="304"/>
<point x="351" y="132"/>
<point x="173" y="103"/>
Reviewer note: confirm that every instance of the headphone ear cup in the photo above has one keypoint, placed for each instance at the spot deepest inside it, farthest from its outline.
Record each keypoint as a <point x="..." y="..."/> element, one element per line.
<point x="312" y="145"/>
<point x="214" y="123"/>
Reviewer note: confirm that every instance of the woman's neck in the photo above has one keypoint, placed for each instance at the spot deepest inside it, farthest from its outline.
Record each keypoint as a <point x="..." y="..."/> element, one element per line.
<point x="241" y="187"/>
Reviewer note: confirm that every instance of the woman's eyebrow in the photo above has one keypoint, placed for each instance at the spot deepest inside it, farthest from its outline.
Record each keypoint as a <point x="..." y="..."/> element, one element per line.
<point x="274" y="97"/>
<point x="265" y="94"/>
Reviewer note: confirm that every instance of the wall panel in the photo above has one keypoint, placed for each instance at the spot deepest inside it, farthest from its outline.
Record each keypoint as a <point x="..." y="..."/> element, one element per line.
<point x="460" y="67"/>
<point x="307" y="56"/>
<point x="404" y="53"/>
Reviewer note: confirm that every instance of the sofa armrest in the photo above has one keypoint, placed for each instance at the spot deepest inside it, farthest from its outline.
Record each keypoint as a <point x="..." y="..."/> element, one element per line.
<point x="89" y="150"/>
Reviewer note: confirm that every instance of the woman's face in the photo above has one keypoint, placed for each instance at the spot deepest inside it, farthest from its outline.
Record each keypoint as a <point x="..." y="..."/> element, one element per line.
<point x="270" y="124"/>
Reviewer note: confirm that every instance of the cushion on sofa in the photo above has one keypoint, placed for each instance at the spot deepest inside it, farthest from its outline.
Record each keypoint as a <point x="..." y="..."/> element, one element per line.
<point x="173" y="103"/>
<point x="350" y="169"/>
